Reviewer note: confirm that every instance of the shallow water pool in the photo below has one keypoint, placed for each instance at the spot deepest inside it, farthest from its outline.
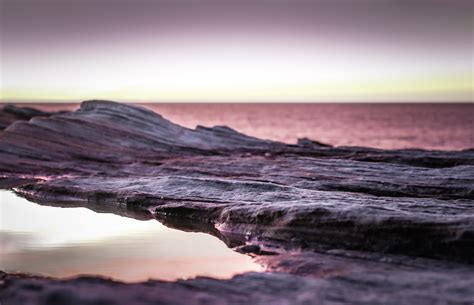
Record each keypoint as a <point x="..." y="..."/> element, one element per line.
<point x="65" y="242"/>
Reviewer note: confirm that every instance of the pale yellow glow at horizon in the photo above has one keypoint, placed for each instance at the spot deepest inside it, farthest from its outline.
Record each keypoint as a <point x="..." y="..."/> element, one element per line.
<point x="233" y="74"/>
<point x="437" y="89"/>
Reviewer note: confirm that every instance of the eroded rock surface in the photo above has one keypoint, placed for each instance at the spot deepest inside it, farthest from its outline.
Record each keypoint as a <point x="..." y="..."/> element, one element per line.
<point x="306" y="199"/>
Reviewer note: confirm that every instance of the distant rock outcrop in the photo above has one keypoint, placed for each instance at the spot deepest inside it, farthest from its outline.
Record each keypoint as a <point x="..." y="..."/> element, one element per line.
<point x="11" y="113"/>
<point x="362" y="225"/>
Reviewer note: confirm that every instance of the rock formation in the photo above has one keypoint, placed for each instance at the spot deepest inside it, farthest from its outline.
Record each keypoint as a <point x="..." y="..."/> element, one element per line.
<point x="332" y="224"/>
<point x="11" y="113"/>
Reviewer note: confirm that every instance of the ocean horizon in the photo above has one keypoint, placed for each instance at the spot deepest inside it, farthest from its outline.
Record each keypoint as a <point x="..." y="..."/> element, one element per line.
<point x="433" y="126"/>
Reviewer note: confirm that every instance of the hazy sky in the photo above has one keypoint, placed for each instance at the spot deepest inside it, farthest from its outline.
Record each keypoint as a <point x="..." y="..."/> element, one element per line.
<point x="259" y="50"/>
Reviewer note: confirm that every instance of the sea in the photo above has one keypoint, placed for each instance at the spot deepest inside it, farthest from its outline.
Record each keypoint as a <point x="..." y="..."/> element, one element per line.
<point x="440" y="126"/>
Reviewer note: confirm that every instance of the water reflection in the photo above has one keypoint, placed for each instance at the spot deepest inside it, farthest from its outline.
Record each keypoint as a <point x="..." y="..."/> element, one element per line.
<point x="64" y="242"/>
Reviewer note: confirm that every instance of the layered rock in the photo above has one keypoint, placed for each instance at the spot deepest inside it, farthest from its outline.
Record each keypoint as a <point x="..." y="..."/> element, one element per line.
<point x="302" y="199"/>
<point x="11" y="113"/>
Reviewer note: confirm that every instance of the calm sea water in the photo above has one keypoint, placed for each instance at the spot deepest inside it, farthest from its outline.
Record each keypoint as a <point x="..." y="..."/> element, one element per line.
<point x="390" y="126"/>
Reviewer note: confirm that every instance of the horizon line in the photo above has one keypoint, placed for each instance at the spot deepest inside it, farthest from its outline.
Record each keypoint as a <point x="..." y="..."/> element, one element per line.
<point x="151" y="101"/>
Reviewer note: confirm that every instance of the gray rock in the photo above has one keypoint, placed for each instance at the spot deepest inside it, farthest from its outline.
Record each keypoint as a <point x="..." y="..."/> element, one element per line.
<point x="11" y="113"/>
<point x="316" y="202"/>
<point x="326" y="280"/>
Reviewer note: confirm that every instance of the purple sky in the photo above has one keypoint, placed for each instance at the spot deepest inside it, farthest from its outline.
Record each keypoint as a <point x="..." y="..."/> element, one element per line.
<point x="237" y="50"/>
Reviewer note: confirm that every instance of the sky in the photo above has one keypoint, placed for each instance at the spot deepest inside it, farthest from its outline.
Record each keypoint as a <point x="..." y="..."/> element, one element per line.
<point x="237" y="51"/>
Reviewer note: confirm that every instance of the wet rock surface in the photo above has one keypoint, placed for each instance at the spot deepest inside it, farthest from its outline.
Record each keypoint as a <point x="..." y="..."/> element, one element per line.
<point x="332" y="224"/>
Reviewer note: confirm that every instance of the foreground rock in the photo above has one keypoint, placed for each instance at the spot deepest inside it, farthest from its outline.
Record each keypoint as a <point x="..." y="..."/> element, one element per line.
<point x="387" y="206"/>
<point x="332" y="280"/>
